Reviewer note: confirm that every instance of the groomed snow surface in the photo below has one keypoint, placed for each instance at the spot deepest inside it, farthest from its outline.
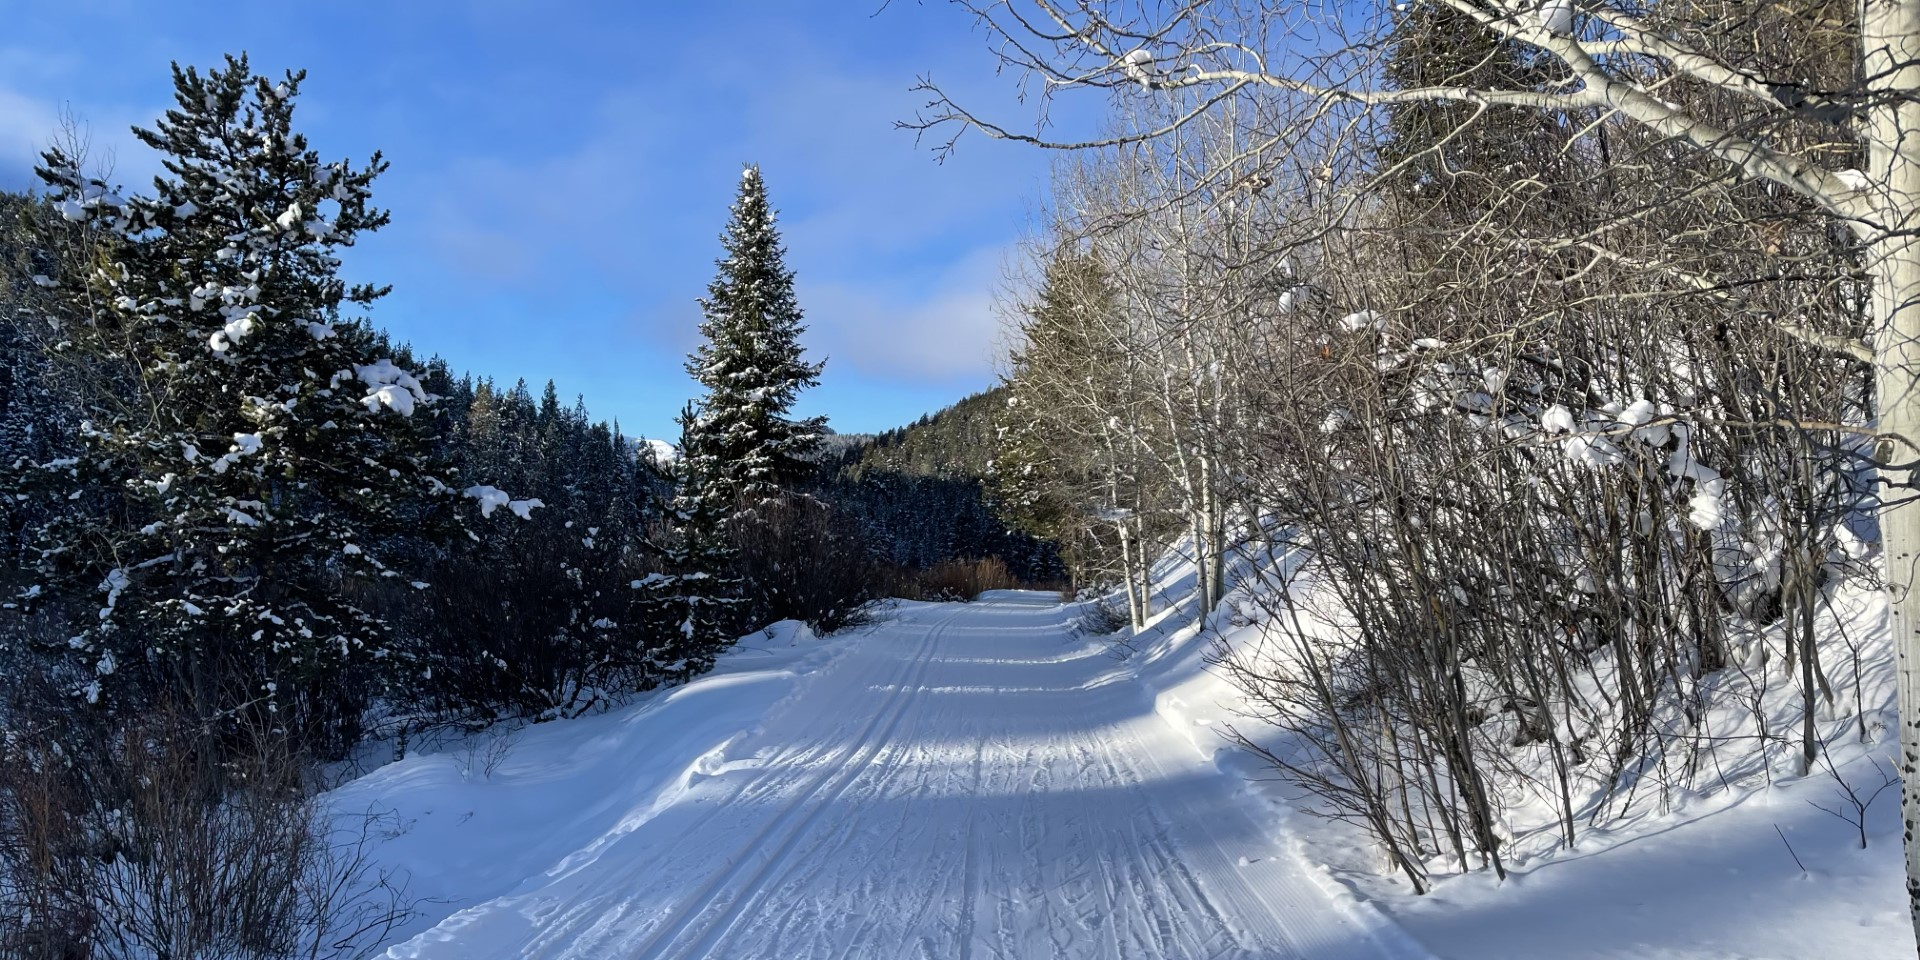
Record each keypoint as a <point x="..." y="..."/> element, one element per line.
<point x="982" y="781"/>
<point x="961" y="781"/>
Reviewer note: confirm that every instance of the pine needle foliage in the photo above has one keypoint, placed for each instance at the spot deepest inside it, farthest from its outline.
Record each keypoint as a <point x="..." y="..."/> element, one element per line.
<point x="234" y="508"/>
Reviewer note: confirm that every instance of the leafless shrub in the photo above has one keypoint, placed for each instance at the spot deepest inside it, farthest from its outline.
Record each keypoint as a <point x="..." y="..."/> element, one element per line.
<point x="1854" y="802"/>
<point x="173" y="837"/>
<point x="1103" y="617"/>
<point x="962" y="580"/>
<point x="485" y="754"/>
<point x="542" y="638"/>
<point x="803" y="560"/>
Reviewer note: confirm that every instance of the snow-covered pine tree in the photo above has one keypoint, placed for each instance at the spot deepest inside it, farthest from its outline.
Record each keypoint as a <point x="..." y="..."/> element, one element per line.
<point x="738" y="448"/>
<point x="692" y="605"/>
<point x="33" y="418"/>
<point x="267" y="457"/>
<point x="752" y="363"/>
<point x="30" y="412"/>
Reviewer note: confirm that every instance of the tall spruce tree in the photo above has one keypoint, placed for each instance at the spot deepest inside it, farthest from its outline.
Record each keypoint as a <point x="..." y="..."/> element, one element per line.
<point x="751" y="363"/>
<point x="738" y="449"/>
<point x="269" y="459"/>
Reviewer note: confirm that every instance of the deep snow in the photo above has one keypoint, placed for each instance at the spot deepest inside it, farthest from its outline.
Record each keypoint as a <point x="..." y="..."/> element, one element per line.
<point x="959" y="781"/>
<point x="982" y="781"/>
<point x="1746" y="865"/>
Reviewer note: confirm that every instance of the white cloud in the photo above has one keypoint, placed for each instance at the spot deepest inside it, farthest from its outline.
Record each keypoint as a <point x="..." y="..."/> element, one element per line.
<point x="28" y="125"/>
<point x="947" y="330"/>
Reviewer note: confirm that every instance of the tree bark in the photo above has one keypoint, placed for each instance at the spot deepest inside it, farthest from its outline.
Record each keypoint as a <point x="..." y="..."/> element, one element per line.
<point x="1890" y="45"/>
<point x="1136" y="602"/>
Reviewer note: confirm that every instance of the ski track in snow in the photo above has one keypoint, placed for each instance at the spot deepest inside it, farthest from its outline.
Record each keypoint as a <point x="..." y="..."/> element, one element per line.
<point x="963" y="782"/>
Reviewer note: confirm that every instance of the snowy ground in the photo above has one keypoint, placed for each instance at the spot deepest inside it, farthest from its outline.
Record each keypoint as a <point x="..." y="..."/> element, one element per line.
<point x="960" y="781"/>
<point x="978" y="781"/>
<point x="1749" y="867"/>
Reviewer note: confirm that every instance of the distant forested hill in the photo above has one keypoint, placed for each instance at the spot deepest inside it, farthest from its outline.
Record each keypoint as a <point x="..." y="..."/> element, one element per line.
<point x="920" y="490"/>
<point x="956" y="442"/>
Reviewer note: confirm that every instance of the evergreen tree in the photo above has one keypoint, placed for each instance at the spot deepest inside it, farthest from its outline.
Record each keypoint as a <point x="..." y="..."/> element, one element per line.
<point x="34" y="420"/>
<point x="751" y="363"/>
<point x="262" y="472"/>
<point x="1061" y="463"/>
<point x="693" y="604"/>
<point x="1459" y="158"/>
<point x="28" y="405"/>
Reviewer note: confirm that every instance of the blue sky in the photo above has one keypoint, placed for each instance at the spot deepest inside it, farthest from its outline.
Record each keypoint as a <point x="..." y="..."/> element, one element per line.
<point x="561" y="172"/>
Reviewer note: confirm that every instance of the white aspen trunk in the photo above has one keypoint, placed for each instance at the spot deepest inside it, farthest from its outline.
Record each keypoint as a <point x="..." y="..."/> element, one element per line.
<point x="1212" y="526"/>
<point x="1216" y="570"/>
<point x="1143" y="565"/>
<point x="1132" y="545"/>
<point x="1203" y="544"/>
<point x="1197" y="471"/>
<point x="1895" y="378"/>
<point x="1890" y="44"/>
<point x="1135" y="614"/>
<point x="1197" y="532"/>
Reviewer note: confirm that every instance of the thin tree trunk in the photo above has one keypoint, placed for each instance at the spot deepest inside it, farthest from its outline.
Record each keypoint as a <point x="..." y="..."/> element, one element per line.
<point x="1215" y="569"/>
<point x="1137" y="570"/>
<point x="1890" y="45"/>
<point x="1136" y="613"/>
<point x="1197" y="527"/>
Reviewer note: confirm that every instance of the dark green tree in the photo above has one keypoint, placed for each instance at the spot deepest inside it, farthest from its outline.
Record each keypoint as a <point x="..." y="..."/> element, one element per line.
<point x="752" y="363"/>
<point x="693" y="603"/>
<point x="256" y="481"/>
<point x="1061" y="464"/>
<point x="1457" y="156"/>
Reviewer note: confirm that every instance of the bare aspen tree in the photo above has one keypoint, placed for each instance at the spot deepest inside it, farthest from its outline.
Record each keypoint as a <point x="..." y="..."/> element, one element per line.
<point x="1685" y="129"/>
<point x="1183" y="292"/>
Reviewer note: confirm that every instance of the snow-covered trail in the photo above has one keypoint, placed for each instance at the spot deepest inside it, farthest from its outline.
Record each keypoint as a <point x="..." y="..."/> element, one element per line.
<point x="963" y="782"/>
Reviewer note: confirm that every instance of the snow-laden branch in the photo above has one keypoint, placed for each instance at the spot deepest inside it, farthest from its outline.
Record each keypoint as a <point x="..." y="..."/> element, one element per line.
<point x="493" y="498"/>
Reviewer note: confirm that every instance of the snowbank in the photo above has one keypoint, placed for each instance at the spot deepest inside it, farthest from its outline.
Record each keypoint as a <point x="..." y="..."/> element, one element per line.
<point x="479" y="815"/>
<point x="1747" y="864"/>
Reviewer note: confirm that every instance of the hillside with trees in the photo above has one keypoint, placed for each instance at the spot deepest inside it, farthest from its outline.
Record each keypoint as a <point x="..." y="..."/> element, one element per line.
<point x="958" y="441"/>
<point x="923" y="492"/>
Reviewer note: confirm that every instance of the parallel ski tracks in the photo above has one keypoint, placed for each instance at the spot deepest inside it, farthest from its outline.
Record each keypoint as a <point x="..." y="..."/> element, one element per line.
<point x="697" y="918"/>
<point x="961" y="785"/>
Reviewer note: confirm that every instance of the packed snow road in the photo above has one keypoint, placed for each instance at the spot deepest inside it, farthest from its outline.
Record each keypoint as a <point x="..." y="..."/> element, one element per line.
<point x="964" y="781"/>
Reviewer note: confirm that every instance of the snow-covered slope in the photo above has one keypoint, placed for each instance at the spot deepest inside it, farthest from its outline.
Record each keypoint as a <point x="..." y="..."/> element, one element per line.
<point x="959" y="781"/>
<point x="1749" y="865"/>
<point x="1746" y="864"/>
<point x="982" y="781"/>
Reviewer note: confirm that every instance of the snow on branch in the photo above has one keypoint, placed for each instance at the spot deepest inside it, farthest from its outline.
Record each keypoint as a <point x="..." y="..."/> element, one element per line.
<point x="492" y="498"/>
<point x="391" y="387"/>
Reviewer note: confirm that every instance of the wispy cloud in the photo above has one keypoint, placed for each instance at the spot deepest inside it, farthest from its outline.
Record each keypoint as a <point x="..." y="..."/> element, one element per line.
<point x="898" y="258"/>
<point x="946" y="330"/>
<point x="29" y="124"/>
